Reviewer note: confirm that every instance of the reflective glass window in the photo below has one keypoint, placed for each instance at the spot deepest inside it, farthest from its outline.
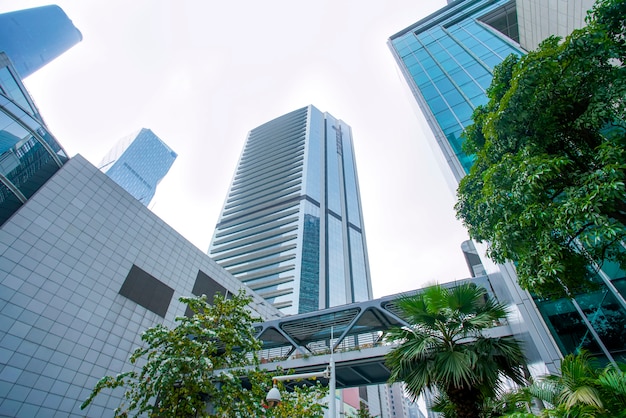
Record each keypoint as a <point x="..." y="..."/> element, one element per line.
<point x="11" y="132"/>
<point x="492" y="60"/>
<point x="607" y="317"/>
<point x="315" y="159"/>
<point x="613" y="270"/>
<point x="450" y="65"/>
<point x="409" y="60"/>
<point x="466" y="160"/>
<point x="454" y="139"/>
<point x="504" y="51"/>
<point x="567" y="327"/>
<point x="471" y="43"/>
<point x="471" y="89"/>
<point x="412" y="42"/>
<point x="404" y="51"/>
<point x="454" y="98"/>
<point x="447" y="43"/>
<point x="483" y="34"/>
<point x="333" y="193"/>
<point x="359" y="272"/>
<point x="335" y="263"/>
<point x="436" y="74"/>
<point x="620" y="285"/>
<point x="444" y="85"/>
<point x="479" y="99"/>
<point x="481" y="51"/>
<point x="484" y="80"/>
<point x="437" y="104"/>
<point x="426" y="38"/>
<point x="32" y="124"/>
<point x="440" y="54"/>
<point x="463" y="111"/>
<point x="455" y="50"/>
<point x="13" y="90"/>
<point x="428" y="63"/>
<point x="459" y="33"/>
<point x="350" y="182"/>
<point x="446" y="119"/>
<point x="476" y="70"/>
<point x="463" y="58"/>
<point x="416" y="71"/>
<point x="9" y="203"/>
<point x="310" y="268"/>
<point x="428" y="90"/>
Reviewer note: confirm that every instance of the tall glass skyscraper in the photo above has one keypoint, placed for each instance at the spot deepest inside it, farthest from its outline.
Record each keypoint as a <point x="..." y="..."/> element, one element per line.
<point x="29" y="154"/>
<point x="291" y="227"/>
<point x="138" y="163"/>
<point x="34" y="37"/>
<point x="447" y="60"/>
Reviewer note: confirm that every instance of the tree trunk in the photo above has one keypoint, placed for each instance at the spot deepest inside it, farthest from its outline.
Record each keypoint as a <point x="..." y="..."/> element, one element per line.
<point x="467" y="401"/>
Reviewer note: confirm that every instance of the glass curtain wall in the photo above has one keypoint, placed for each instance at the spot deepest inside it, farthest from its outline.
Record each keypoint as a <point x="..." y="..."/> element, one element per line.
<point x="447" y="59"/>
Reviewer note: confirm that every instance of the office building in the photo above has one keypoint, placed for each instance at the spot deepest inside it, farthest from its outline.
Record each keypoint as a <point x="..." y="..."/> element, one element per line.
<point x="291" y="227"/>
<point x="34" y="37"/>
<point x="84" y="269"/>
<point x="138" y="163"/>
<point x="447" y="60"/>
<point x="29" y="154"/>
<point x="397" y="405"/>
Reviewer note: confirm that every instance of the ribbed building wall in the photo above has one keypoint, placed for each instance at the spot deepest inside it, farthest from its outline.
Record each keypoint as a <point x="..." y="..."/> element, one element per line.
<point x="291" y="224"/>
<point x="257" y="236"/>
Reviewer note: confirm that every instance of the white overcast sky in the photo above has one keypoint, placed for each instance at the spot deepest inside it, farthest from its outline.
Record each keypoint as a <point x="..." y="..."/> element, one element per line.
<point x="202" y="73"/>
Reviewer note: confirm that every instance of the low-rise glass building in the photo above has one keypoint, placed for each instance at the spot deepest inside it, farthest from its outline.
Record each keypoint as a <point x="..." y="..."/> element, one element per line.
<point x="29" y="153"/>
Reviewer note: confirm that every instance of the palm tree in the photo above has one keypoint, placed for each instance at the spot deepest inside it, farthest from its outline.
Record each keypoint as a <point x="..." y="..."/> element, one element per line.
<point x="582" y="389"/>
<point x="444" y="348"/>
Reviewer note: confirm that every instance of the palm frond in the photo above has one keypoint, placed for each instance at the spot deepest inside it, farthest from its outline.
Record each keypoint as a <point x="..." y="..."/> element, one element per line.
<point x="586" y="395"/>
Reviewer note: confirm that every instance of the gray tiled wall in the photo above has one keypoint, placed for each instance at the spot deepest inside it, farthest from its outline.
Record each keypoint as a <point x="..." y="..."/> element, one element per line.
<point x="63" y="259"/>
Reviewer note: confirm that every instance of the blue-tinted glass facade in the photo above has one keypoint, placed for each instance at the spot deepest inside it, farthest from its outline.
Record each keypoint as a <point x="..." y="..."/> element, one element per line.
<point x="447" y="59"/>
<point x="449" y="63"/>
<point x="138" y="163"/>
<point x="288" y="226"/>
<point x="29" y="154"/>
<point x="34" y="37"/>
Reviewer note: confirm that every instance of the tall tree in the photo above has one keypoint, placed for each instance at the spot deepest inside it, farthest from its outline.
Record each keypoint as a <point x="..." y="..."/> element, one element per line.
<point x="203" y="367"/>
<point x="547" y="188"/>
<point x="444" y="348"/>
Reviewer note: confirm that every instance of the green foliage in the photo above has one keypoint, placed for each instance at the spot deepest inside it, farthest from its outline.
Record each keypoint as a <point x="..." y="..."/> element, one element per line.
<point x="444" y="348"/>
<point x="581" y="390"/>
<point x="547" y="189"/>
<point x="511" y="402"/>
<point x="207" y="359"/>
<point x="302" y="401"/>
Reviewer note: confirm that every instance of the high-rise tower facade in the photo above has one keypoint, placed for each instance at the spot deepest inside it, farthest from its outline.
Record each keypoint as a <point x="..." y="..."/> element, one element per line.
<point x="292" y="227"/>
<point x="138" y="163"/>
<point x="447" y="60"/>
<point x="34" y="37"/>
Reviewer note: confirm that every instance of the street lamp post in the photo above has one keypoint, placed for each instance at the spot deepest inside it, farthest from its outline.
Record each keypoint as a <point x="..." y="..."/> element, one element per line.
<point x="332" y="408"/>
<point x="273" y="397"/>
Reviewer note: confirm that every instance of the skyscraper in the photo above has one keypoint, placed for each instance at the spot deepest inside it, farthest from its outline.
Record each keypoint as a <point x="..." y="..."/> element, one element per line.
<point x="447" y="60"/>
<point x="138" y="163"/>
<point x="29" y="154"/>
<point x="448" y="57"/>
<point x="291" y="227"/>
<point x="34" y="37"/>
